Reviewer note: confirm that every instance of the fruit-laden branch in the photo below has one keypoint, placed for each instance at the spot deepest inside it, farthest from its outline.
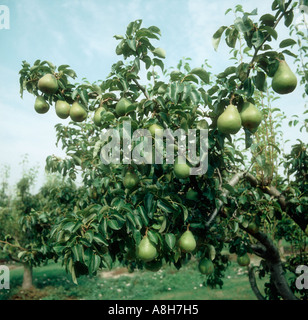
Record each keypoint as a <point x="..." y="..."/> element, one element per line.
<point x="272" y="191"/>
<point x="266" y="248"/>
<point x="253" y="283"/>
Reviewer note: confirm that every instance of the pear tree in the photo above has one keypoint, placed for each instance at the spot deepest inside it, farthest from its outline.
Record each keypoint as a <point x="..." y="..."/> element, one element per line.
<point x="145" y="215"/>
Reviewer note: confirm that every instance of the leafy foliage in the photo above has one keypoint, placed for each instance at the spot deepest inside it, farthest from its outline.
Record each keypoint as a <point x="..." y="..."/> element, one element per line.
<point x="103" y="221"/>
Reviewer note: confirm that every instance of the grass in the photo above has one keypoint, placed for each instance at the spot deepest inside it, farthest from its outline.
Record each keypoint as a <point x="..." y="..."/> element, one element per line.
<point x="52" y="283"/>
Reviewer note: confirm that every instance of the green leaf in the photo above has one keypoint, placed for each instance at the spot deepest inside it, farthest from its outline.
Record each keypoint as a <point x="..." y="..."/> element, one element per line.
<point x="186" y="91"/>
<point x="69" y="226"/>
<point x="243" y="25"/>
<point x="289" y="53"/>
<point x="281" y="4"/>
<point x="78" y="252"/>
<point x="165" y="206"/>
<point x="272" y="32"/>
<point x="152" y="236"/>
<point x="100" y="240"/>
<point x="202" y="74"/>
<point x="288" y="18"/>
<point x="158" y="62"/>
<point x="268" y="20"/>
<point x="191" y="77"/>
<point x="149" y="204"/>
<point x="286" y="43"/>
<point x="71" y="73"/>
<point x="113" y="224"/>
<point x="170" y="240"/>
<point x="217" y="36"/>
<point x="260" y="82"/>
<point x="232" y="37"/>
<point x="175" y="75"/>
<point x="143" y="32"/>
<point x="257" y="39"/>
<point x="133" y="27"/>
<point x="118" y="37"/>
<point x="195" y="96"/>
<point x="248" y="87"/>
<point x="132" y="43"/>
<point x="94" y="263"/>
<point x="148" y="62"/>
<point x="154" y="29"/>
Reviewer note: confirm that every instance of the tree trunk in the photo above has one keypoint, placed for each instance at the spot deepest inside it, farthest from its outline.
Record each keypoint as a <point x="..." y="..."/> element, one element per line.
<point x="268" y="251"/>
<point x="27" y="279"/>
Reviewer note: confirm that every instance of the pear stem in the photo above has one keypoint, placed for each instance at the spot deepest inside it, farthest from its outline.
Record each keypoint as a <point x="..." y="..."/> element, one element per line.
<point x="232" y="98"/>
<point x="188" y="227"/>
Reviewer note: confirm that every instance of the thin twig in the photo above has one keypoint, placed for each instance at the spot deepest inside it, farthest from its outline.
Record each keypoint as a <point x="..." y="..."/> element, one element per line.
<point x="141" y="88"/>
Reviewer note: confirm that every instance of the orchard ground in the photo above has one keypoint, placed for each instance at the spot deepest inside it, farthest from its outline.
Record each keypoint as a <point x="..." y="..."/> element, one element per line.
<point x="52" y="283"/>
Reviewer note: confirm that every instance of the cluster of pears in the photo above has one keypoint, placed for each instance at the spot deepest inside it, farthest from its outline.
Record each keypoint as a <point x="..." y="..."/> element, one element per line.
<point x="231" y="120"/>
<point x="48" y="85"/>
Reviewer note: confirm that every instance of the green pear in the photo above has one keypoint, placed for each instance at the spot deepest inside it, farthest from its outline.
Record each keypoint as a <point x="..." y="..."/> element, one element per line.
<point x="229" y="122"/>
<point x="97" y="116"/>
<point x="77" y="112"/>
<point x="48" y="84"/>
<point x="159" y="52"/>
<point x="40" y="105"/>
<point x="284" y="80"/>
<point x="145" y="250"/>
<point x="187" y="242"/>
<point x="181" y="170"/>
<point x="252" y="228"/>
<point x="243" y="260"/>
<point x="131" y="180"/>
<point x="202" y="124"/>
<point x="121" y="107"/>
<point x="251" y="117"/>
<point x="62" y="109"/>
<point x="153" y="129"/>
<point x="206" y="266"/>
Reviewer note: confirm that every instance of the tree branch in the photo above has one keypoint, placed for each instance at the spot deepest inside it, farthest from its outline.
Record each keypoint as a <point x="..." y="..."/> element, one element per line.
<point x="13" y="245"/>
<point x="142" y="89"/>
<point x="253" y="283"/>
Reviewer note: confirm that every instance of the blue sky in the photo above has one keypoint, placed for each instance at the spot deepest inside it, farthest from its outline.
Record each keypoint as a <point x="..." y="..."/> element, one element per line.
<point x="80" y="33"/>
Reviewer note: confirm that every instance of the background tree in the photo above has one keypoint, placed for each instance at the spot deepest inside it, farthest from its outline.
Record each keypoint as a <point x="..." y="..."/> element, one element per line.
<point x="27" y="219"/>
